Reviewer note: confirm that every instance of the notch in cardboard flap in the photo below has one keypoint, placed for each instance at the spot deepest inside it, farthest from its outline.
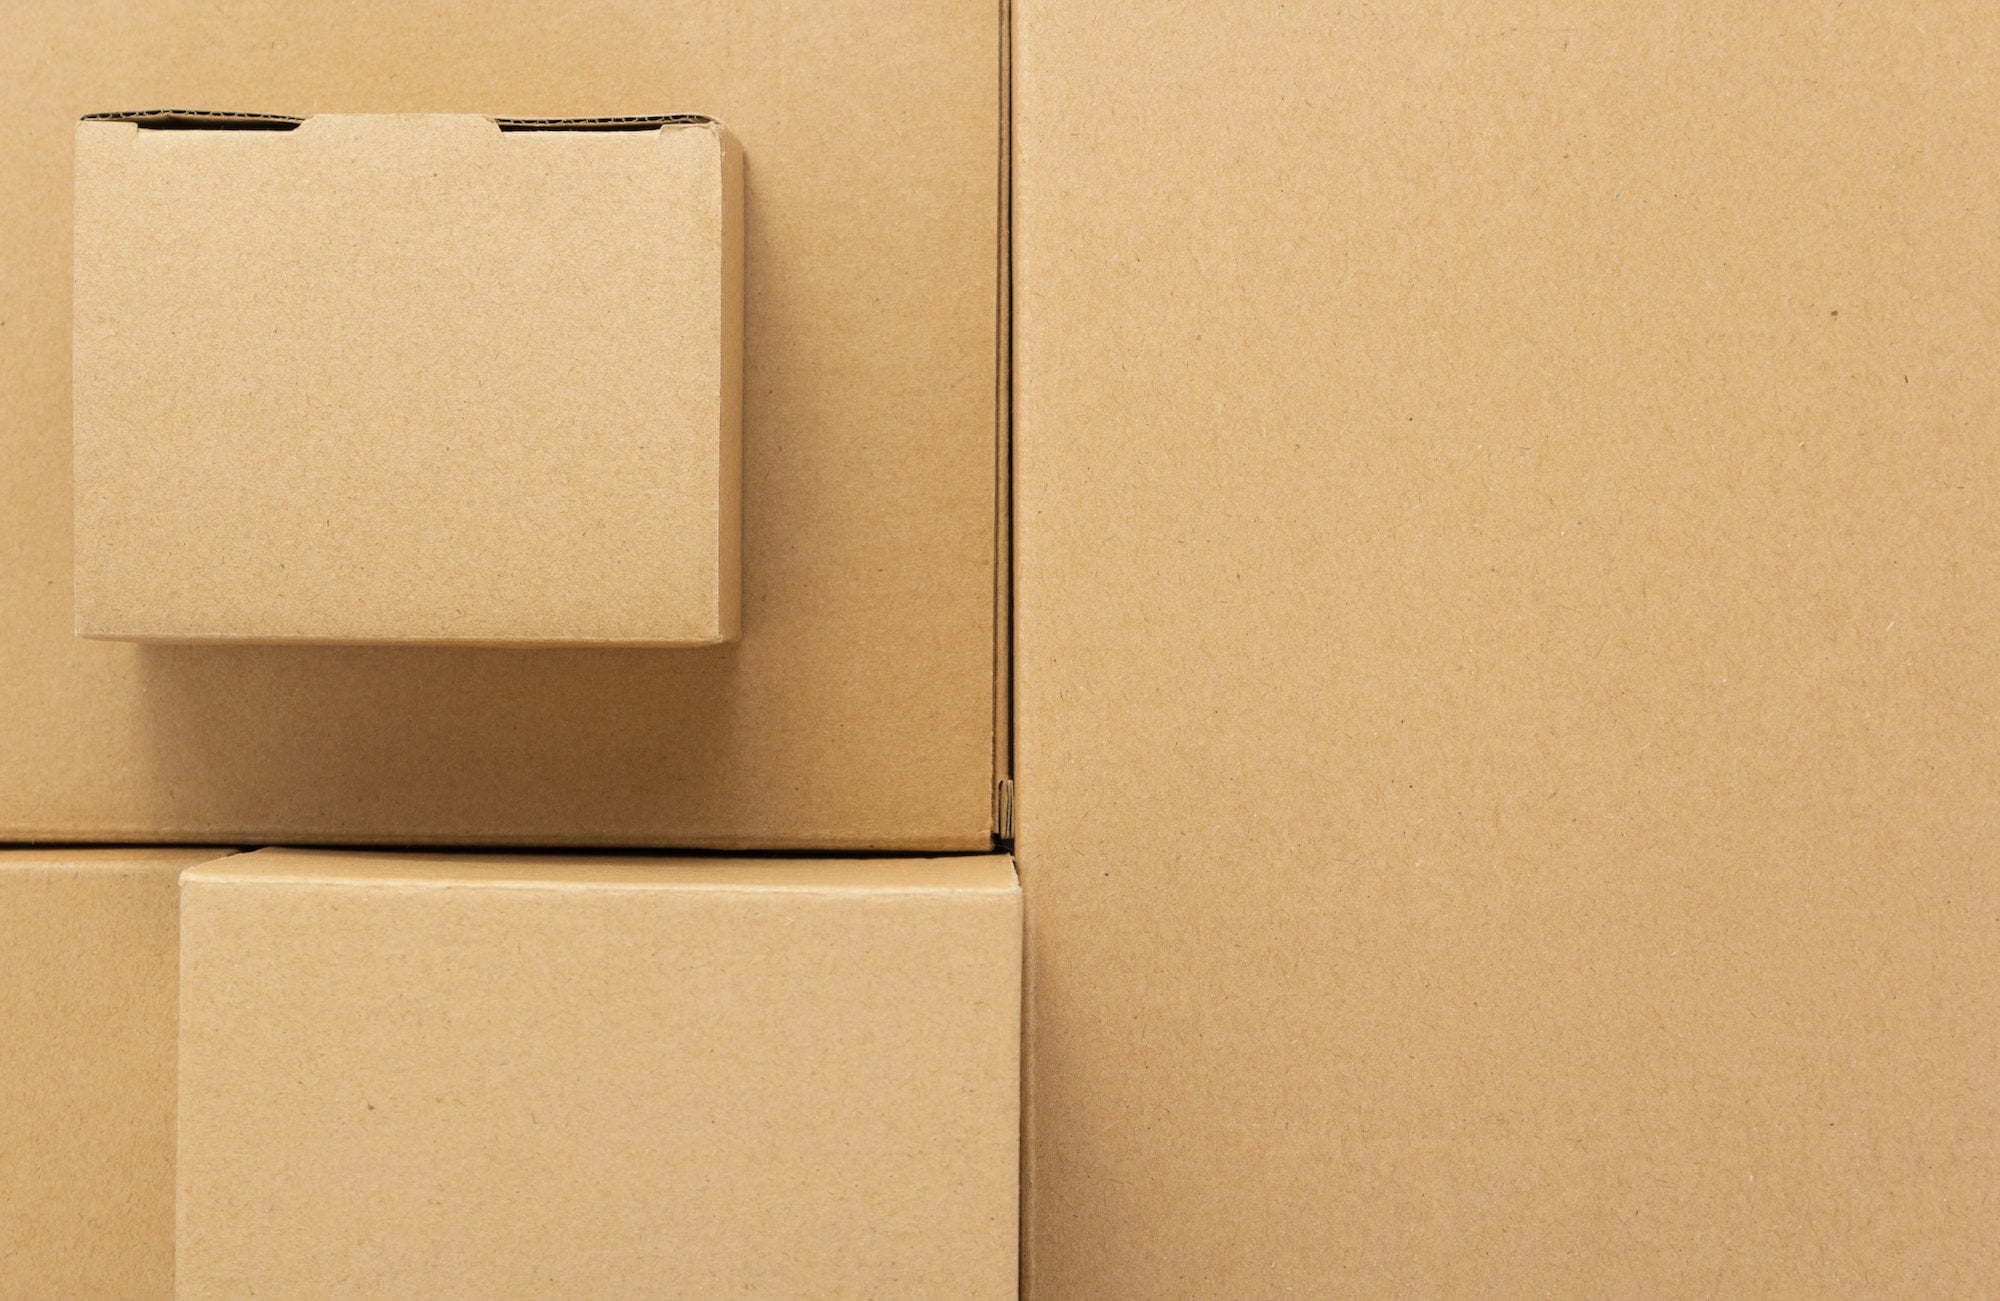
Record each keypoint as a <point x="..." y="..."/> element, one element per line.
<point x="201" y="119"/>
<point x="648" y="122"/>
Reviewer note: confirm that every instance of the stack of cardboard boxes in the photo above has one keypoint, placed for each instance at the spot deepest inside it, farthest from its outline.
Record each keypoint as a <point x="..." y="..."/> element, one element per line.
<point x="591" y="480"/>
<point x="1499" y="506"/>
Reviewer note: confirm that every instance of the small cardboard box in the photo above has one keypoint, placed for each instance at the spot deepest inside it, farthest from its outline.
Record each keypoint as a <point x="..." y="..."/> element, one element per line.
<point x="419" y="378"/>
<point x="445" y="1075"/>
<point x="88" y="974"/>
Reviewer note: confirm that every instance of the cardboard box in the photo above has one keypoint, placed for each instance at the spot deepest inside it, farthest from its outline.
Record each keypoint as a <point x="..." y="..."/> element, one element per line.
<point x="417" y="378"/>
<point x="443" y="1076"/>
<point x="1509" y="707"/>
<point x="861" y="707"/>
<point x="88" y="974"/>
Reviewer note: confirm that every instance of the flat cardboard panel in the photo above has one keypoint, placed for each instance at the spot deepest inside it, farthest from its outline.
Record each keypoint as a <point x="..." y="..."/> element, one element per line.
<point x="856" y="711"/>
<point x="407" y="378"/>
<point x="89" y="969"/>
<point x="1509" y="770"/>
<point x="453" y="1076"/>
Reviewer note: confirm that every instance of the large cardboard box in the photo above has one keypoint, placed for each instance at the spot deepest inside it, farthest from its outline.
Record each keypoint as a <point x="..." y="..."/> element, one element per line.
<point x="88" y="972"/>
<point x="1509" y="692"/>
<point x="456" y="1076"/>
<point x="860" y="707"/>
<point x="417" y="378"/>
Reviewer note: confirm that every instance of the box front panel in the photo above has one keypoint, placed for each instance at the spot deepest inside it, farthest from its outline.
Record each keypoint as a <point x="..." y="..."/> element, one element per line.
<point x="401" y="378"/>
<point x="582" y="1077"/>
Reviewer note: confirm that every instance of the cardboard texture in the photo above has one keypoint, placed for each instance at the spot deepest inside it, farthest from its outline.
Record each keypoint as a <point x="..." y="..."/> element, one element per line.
<point x="420" y="378"/>
<point x="858" y="709"/>
<point x="1509" y="730"/>
<point x="88" y="974"/>
<point x="446" y="1076"/>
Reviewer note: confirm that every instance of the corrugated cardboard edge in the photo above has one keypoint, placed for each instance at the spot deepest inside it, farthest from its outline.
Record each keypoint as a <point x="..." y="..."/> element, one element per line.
<point x="199" y="119"/>
<point x="1003" y="456"/>
<point x="1006" y="798"/>
<point x="205" y="119"/>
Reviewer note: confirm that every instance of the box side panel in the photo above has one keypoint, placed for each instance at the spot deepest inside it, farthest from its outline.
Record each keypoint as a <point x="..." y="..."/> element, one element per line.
<point x="87" y="1015"/>
<point x="1509" y="732"/>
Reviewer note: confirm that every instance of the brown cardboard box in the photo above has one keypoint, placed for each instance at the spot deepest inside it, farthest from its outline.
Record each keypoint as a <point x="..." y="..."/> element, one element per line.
<point x="419" y="378"/>
<point x="1509" y="665"/>
<point x="445" y="1076"/>
<point x="88" y="973"/>
<point x="859" y="707"/>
